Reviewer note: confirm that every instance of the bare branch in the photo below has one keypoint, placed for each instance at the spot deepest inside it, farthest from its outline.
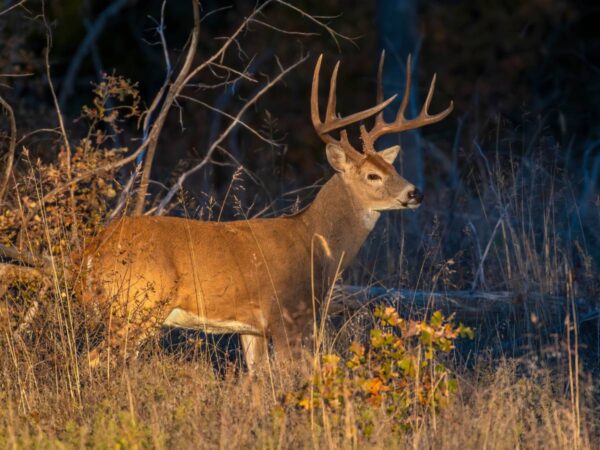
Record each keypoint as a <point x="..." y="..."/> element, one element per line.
<point x="156" y="128"/>
<point x="23" y="256"/>
<point x="10" y="8"/>
<point x="148" y="115"/>
<point x="282" y="31"/>
<point x="11" y="149"/>
<point x="229" y="40"/>
<point x="179" y="184"/>
<point x="229" y="116"/>
<point x="16" y="75"/>
<point x="334" y="34"/>
<point x="174" y="90"/>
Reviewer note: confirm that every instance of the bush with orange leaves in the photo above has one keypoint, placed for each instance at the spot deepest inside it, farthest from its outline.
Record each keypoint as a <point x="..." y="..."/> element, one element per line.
<point x="399" y="372"/>
<point x="40" y="214"/>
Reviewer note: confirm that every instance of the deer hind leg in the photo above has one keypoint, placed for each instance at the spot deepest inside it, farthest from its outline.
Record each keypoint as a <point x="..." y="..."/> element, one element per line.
<point x="256" y="351"/>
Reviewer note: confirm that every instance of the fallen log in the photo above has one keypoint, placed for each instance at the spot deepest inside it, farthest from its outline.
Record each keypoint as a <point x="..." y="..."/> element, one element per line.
<point x="464" y="304"/>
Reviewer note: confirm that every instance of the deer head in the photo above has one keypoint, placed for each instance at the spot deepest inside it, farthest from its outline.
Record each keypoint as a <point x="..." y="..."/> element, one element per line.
<point x="370" y="175"/>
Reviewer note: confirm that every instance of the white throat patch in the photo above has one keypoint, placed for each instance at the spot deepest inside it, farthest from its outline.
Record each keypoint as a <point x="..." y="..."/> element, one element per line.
<point x="369" y="219"/>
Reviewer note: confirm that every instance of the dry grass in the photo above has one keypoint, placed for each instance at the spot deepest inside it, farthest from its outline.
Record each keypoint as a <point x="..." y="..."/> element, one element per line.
<point x="540" y="391"/>
<point x="169" y="402"/>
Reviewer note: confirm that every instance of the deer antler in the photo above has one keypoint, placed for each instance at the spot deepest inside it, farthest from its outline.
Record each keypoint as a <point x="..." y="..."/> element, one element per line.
<point x="332" y="121"/>
<point x="400" y="124"/>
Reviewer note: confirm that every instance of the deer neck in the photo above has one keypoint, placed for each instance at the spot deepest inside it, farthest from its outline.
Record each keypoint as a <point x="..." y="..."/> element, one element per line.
<point x="338" y="223"/>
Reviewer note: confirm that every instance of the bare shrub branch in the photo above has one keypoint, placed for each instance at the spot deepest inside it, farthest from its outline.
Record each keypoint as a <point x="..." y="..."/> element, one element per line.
<point x="235" y="122"/>
<point x="174" y="90"/>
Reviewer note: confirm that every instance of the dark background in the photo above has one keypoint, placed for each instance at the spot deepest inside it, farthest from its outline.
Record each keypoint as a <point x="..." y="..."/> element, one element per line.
<point x="521" y="61"/>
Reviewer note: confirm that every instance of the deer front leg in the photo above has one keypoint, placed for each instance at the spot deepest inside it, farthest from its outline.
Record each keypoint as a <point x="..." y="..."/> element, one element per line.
<point x="124" y="340"/>
<point x="256" y="351"/>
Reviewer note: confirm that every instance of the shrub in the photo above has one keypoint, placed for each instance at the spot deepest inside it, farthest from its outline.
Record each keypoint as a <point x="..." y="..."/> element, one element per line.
<point x="399" y="372"/>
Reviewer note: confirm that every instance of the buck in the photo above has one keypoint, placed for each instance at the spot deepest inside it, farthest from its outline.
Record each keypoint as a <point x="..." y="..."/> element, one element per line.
<point x="259" y="276"/>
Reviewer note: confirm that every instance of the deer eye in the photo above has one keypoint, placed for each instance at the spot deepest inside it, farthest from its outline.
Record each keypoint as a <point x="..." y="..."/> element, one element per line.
<point x="373" y="177"/>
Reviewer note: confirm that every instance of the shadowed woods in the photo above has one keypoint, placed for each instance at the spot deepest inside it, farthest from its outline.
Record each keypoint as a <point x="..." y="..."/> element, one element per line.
<point x="470" y="321"/>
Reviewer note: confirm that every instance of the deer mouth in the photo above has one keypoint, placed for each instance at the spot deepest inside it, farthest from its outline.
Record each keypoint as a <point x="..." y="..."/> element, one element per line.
<point x="411" y="204"/>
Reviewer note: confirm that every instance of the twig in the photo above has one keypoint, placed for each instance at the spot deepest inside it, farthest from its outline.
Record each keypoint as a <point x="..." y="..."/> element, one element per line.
<point x="16" y="75"/>
<point x="282" y="31"/>
<point x="149" y="113"/>
<point x="221" y="52"/>
<point x="10" y="8"/>
<point x="11" y="149"/>
<point x="23" y="256"/>
<point x="479" y="273"/>
<point x="243" y="74"/>
<point x="334" y="34"/>
<point x="165" y="201"/>
<point x="229" y="116"/>
<point x="124" y="195"/>
<point x="85" y="47"/>
<point x="172" y="93"/>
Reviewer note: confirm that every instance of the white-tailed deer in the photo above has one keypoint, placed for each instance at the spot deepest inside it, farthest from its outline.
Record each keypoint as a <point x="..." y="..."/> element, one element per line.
<point x="256" y="276"/>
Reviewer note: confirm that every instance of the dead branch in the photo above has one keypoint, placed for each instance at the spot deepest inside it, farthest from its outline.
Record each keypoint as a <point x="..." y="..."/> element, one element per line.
<point x="10" y="8"/>
<point x="229" y="116"/>
<point x="157" y="126"/>
<point x="11" y="149"/>
<point x="179" y="184"/>
<point x="332" y="33"/>
<point x="466" y="305"/>
<point x="23" y="256"/>
<point x="172" y="93"/>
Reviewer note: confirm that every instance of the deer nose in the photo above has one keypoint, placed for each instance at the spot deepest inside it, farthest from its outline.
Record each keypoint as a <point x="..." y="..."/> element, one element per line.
<point x="415" y="196"/>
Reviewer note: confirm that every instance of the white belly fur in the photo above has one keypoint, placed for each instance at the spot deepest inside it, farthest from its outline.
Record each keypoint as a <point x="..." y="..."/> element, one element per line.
<point x="180" y="318"/>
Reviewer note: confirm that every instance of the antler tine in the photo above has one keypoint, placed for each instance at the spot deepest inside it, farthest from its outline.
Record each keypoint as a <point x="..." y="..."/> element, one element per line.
<point x="342" y="122"/>
<point x="332" y="122"/>
<point x="425" y="107"/>
<point x="424" y="118"/>
<point x="330" y="114"/>
<point x="402" y="110"/>
<point x="379" y="98"/>
<point x="315" y="115"/>
<point x="382" y="127"/>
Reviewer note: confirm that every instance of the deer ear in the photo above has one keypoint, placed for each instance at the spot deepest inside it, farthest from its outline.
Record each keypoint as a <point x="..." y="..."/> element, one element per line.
<point x="389" y="154"/>
<point x="337" y="157"/>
